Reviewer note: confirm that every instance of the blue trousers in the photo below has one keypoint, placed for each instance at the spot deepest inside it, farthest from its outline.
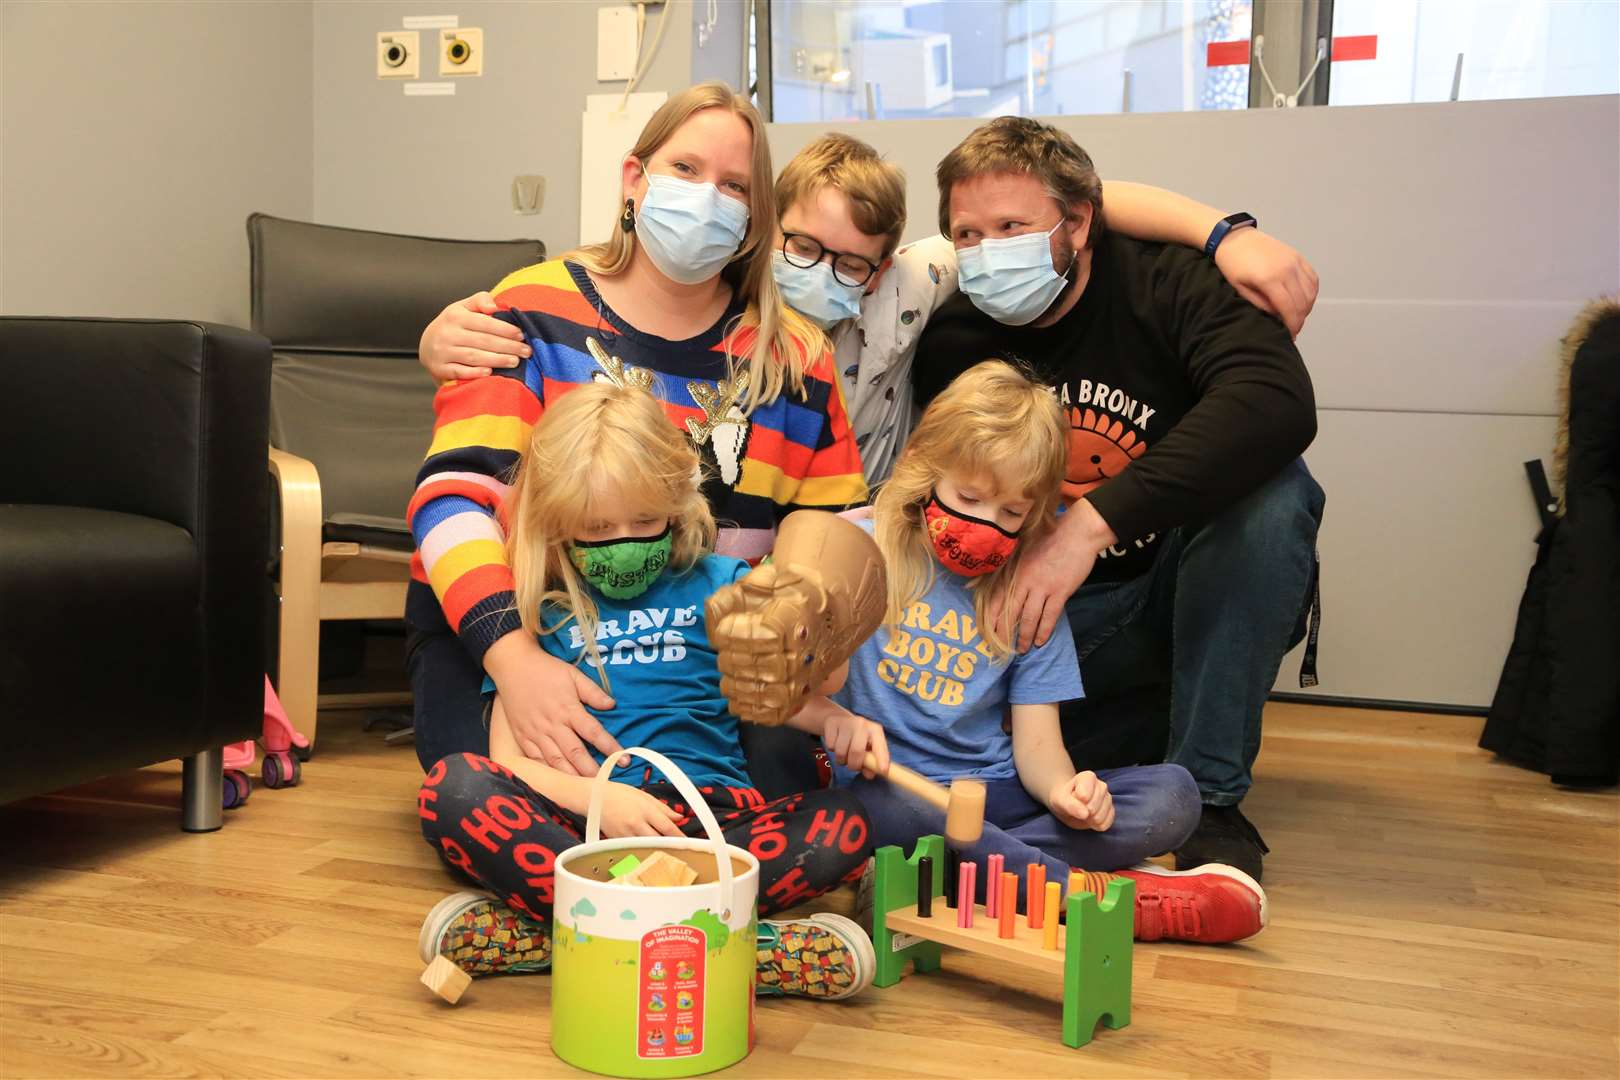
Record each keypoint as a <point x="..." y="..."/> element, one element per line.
<point x="1155" y="809"/>
<point x="1222" y="603"/>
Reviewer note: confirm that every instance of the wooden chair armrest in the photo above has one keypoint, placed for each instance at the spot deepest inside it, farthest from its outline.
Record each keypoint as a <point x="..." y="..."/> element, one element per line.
<point x="300" y="585"/>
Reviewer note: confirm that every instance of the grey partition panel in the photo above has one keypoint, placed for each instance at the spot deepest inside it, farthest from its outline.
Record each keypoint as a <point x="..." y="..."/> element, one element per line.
<point x="1455" y="243"/>
<point x="1429" y="533"/>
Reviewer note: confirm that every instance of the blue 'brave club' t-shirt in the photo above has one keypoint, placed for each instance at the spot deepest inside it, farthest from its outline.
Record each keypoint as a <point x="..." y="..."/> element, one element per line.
<point x="663" y="674"/>
<point x="940" y="698"/>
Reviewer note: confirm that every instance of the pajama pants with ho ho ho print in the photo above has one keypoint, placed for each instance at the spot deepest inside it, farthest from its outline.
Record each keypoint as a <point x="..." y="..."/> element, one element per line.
<point x="494" y="828"/>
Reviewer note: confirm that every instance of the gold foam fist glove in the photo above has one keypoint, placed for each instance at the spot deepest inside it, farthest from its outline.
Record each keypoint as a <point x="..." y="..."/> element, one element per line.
<point x="791" y="624"/>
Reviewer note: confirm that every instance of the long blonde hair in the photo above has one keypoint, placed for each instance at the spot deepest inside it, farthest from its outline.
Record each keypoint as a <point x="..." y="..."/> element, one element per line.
<point x="993" y="420"/>
<point x="770" y="341"/>
<point x="597" y="436"/>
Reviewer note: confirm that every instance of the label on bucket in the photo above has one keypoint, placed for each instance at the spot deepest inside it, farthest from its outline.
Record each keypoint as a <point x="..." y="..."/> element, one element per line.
<point x="669" y="991"/>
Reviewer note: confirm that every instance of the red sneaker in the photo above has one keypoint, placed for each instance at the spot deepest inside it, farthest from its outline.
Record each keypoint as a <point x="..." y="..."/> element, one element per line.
<point x="1210" y="903"/>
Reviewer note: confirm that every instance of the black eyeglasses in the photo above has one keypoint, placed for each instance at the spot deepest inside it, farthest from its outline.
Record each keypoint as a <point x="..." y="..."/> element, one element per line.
<point x="805" y="251"/>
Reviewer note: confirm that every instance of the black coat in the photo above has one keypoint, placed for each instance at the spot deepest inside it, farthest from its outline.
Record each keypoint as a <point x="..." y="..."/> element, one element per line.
<point x="1557" y="706"/>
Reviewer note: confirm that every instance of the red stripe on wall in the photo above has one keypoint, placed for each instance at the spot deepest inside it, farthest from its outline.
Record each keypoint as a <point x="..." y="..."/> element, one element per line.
<point x="1364" y="47"/>
<point x="1227" y="53"/>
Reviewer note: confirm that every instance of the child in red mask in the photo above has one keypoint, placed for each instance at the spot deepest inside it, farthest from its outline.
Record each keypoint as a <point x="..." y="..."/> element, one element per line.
<point x="942" y="688"/>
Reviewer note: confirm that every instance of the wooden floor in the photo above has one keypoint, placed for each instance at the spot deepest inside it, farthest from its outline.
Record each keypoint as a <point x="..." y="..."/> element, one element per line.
<point x="1433" y="913"/>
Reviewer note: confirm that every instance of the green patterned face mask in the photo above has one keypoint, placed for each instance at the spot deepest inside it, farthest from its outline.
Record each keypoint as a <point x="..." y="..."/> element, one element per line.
<point x="622" y="568"/>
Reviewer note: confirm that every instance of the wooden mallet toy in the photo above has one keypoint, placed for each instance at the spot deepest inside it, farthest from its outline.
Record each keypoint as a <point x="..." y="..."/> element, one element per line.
<point x="962" y="804"/>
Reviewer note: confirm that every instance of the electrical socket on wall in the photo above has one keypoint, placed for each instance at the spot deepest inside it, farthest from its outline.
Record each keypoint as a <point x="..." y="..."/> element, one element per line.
<point x="461" y="51"/>
<point x="398" y="54"/>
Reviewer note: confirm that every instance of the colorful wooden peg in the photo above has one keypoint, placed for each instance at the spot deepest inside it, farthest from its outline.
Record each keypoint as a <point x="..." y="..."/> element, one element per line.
<point x="1054" y="893"/>
<point x="1035" y="894"/>
<point x="964" y="895"/>
<point x="1007" y="906"/>
<point x="992" y="886"/>
<point x="925" y="886"/>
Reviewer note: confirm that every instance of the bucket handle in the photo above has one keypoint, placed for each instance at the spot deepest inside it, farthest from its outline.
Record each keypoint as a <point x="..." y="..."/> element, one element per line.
<point x="672" y="773"/>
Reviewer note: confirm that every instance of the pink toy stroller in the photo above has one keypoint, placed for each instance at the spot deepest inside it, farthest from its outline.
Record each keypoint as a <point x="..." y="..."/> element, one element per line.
<point x="284" y="748"/>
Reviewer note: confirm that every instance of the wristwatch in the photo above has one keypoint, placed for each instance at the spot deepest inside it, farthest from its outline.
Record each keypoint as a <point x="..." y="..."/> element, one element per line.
<point x="1239" y="220"/>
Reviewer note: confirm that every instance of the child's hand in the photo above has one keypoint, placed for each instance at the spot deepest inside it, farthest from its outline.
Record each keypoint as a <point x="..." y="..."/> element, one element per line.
<point x="629" y="811"/>
<point x="848" y="737"/>
<point x="1083" y="802"/>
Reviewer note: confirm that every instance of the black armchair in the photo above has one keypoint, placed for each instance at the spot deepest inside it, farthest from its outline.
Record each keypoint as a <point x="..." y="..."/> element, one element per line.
<point x="134" y="520"/>
<point x="351" y="414"/>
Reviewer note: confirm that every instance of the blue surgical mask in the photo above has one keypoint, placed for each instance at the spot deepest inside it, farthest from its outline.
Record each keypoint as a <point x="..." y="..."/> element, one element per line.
<point x="690" y="231"/>
<point x="813" y="292"/>
<point x="1011" y="279"/>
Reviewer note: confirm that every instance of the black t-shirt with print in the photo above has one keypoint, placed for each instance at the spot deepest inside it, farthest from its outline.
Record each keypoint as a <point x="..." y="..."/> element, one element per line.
<point x="1182" y="397"/>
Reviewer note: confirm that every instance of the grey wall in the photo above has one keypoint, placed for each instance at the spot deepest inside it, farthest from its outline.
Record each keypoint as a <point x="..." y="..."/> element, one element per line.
<point x="443" y="166"/>
<point x="137" y="138"/>
<point x="1455" y="243"/>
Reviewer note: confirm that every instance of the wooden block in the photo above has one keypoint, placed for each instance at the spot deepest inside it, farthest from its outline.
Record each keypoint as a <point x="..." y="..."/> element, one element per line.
<point x="661" y="870"/>
<point x="444" y="978"/>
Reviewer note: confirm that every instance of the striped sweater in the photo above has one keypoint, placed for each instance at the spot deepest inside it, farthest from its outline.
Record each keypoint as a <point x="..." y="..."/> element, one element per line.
<point x="791" y="453"/>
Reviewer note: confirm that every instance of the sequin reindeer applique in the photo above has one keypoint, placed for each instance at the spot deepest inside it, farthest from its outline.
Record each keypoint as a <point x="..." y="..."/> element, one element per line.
<point x="724" y="427"/>
<point x="616" y="371"/>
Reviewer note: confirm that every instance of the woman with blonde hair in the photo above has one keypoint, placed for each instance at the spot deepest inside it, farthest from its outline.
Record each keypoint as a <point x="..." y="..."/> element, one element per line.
<point x="610" y="542"/>
<point x="679" y="301"/>
<point x="941" y="689"/>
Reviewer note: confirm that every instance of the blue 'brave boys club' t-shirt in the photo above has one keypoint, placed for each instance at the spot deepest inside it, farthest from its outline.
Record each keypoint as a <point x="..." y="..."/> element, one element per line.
<point x="663" y="674"/>
<point x="940" y="698"/>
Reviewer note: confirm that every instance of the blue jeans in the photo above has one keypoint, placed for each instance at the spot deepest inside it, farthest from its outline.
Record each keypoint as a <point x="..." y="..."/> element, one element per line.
<point x="1155" y="810"/>
<point x="1221" y="604"/>
<point x="447" y="689"/>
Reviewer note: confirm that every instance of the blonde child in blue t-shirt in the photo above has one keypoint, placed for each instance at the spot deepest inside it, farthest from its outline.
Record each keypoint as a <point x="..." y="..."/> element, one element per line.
<point x="940" y="685"/>
<point x="611" y="544"/>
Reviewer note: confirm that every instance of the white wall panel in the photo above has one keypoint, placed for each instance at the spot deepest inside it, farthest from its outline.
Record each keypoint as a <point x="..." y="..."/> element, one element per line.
<point x="1429" y="532"/>
<point x="1455" y="243"/>
<point x="1495" y="356"/>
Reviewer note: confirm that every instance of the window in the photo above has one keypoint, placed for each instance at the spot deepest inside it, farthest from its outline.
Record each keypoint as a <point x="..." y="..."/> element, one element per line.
<point x="1509" y="48"/>
<point x="854" y="59"/>
<point x="859" y="59"/>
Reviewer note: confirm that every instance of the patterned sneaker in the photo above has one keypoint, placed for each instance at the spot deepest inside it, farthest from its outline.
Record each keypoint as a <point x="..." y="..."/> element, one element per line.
<point x="824" y="956"/>
<point x="1209" y="904"/>
<point x="484" y="937"/>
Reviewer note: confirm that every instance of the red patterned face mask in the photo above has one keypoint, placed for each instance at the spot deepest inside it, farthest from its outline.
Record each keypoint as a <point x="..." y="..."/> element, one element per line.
<point x="967" y="545"/>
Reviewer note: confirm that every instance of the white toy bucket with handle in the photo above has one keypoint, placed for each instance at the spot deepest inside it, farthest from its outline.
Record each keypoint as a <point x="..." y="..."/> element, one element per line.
<point x="648" y="981"/>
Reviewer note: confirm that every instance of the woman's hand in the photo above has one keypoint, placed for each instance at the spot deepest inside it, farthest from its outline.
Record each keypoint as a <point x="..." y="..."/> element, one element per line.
<point x="1269" y="274"/>
<point x="545" y="702"/>
<point x="463" y="342"/>
<point x="629" y="811"/>
<point x="848" y="738"/>
<point x="1082" y="802"/>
